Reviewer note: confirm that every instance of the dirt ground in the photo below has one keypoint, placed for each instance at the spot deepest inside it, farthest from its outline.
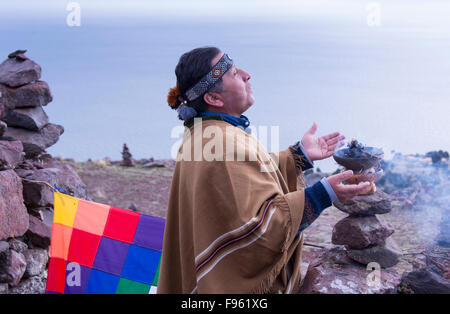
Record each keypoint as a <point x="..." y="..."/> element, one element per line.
<point x="148" y="190"/>
<point x="145" y="188"/>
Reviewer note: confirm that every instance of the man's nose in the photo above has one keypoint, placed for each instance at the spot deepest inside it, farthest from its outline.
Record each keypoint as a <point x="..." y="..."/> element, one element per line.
<point x="245" y="75"/>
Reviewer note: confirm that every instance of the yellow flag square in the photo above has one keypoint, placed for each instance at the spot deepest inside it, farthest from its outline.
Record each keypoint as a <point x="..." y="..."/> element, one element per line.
<point x="65" y="209"/>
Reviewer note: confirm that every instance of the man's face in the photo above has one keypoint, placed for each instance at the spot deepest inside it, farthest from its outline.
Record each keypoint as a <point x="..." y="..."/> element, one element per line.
<point x="237" y="95"/>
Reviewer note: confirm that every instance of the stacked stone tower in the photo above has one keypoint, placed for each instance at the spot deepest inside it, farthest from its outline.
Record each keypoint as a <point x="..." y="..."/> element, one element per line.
<point x="22" y="97"/>
<point x="364" y="234"/>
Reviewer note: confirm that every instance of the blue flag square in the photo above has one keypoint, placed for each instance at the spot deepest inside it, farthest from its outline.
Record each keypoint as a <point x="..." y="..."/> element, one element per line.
<point x="141" y="264"/>
<point x="101" y="283"/>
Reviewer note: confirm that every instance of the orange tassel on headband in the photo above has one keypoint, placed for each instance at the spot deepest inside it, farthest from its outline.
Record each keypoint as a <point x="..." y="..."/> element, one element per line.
<point x="172" y="97"/>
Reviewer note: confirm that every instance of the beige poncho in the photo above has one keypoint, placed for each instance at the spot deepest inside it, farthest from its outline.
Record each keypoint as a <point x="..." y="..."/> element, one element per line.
<point x="232" y="221"/>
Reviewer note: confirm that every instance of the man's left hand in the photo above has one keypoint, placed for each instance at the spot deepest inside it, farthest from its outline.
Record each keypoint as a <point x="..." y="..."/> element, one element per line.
<point x="322" y="147"/>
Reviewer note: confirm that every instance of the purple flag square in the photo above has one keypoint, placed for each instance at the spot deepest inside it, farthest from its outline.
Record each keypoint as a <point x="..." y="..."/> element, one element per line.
<point x="150" y="232"/>
<point x="77" y="277"/>
<point x="111" y="256"/>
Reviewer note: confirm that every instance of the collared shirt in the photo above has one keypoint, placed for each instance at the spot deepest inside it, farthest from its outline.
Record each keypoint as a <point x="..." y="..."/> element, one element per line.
<point x="242" y="122"/>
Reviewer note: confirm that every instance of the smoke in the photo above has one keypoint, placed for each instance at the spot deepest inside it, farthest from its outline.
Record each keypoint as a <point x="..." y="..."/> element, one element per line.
<point x="419" y="186"/>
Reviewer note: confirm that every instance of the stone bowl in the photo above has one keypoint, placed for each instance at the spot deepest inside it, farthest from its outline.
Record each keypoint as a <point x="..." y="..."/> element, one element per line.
<point x="370" y="157"/>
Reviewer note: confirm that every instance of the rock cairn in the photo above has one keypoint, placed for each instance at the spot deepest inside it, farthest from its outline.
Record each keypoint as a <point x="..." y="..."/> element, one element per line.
<point x="22" y="97"/>
<point x="364" y="234"/>
<point x="127" y="160"/>
<point x="27" y="174"/>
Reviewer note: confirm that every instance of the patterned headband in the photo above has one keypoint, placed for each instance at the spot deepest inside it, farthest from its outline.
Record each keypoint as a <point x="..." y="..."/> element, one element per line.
<point x="211" y="78"/>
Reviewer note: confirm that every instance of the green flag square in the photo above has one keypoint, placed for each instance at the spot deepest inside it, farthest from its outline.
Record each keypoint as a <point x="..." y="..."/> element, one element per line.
<point x="131" y="287"/>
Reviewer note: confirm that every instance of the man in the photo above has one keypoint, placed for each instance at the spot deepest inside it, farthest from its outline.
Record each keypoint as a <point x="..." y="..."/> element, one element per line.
<point x="234" y="225"/>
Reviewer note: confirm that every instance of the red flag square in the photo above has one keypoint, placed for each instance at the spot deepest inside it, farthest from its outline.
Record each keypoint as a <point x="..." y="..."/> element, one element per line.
<point x="56" y="275"/>
<point x="121" y="224"/>
<point x="83" y="247"/>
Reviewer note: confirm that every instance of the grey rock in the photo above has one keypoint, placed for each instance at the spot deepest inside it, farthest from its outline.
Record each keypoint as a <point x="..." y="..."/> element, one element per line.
<point x="2" y="110"/>
<point x="366" y="205"/>
<point x="16" y="72"/>
<point x="35" y="143"/>
<point x="30" y="95"/>
<point x="12" y="267"/>
<point x="55" y="172"/>
<point x="424" y="281"/>
<point x="3" y="288"/>
<point x="360" y="232"/>
<point x="332" y="273"/>
<point x="45" y="214"/>
<point x="10" y="154"/>
<point x="154" y="164"/>
<point x="4" y="247"/>
<point x="133" y="207"/>
<point x="24" y="173"/>
<point x="13" y="213"/>
<point x="387" y="254"/>
<point x="19" y="53"/>
<point x="32" y="285"/>
<point x="39" y="233"/>
<point x="3" y="128"/>
<point x="31" y="118"/>
<point x="17" y="245"/>
<point x="36" y="260"/>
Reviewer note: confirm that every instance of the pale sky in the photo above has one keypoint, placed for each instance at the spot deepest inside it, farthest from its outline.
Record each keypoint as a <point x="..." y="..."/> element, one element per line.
<point x="434" y="11"/>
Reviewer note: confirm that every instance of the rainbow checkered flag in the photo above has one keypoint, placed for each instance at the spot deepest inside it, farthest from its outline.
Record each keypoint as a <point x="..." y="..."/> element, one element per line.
<point x="101" y="249"/>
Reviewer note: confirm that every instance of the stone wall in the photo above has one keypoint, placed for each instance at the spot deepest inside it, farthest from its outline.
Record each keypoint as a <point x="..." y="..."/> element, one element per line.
<point x="27" y="173"/>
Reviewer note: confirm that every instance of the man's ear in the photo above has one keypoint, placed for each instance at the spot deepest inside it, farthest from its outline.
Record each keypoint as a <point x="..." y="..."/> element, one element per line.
<point x="213" y="99"/>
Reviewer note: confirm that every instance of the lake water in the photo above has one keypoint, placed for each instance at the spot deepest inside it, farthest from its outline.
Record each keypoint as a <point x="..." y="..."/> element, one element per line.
<point x="386" y="85"/>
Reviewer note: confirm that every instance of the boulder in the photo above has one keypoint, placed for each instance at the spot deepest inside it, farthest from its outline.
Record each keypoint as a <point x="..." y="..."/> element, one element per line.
<point x="360" y="232"/>
<point x="10" y="154"/>
<point x="12" y="267"/>
<point x="32" y="285"/>
<point x="13" y="213"/>
<point x="333" y="273"/>
<point x="154" y="164"/>
<point x="36" y="260"/>
<point x="35" y="143"/>
<point x="133" y="207"/>
<point x="30" y="95"/>
<point x="4" y="247"/>
<point x="45" y="214"/>
<point x="16" y="72"/>
<point x="31" y="118"/>
<point x="24" y="173"/>
<point x="55" y="172"/>
<point x="2" y="110"/>
<point x="3" y="128"/>
<point x="366" y="205"/>
<point x="17" y="245"/>
<point x="423" y="281"/>
<point x="387" y="254"/>
<point x="39" y="233"/>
